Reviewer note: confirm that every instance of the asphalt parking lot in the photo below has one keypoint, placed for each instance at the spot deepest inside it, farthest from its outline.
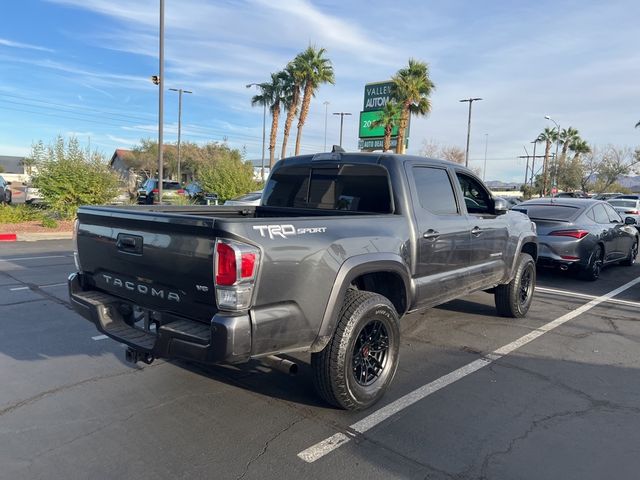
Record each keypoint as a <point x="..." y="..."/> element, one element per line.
<point x="554" y="395"/>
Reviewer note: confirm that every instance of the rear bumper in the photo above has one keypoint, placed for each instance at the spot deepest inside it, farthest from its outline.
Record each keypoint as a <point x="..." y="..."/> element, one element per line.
<point x="226" y="339"/>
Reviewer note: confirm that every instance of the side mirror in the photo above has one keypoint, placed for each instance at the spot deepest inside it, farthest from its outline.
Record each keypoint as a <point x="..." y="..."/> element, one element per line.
<point x="630" y="221"/>
<point x="500" y="206"/>
<point x="9" y="183"/>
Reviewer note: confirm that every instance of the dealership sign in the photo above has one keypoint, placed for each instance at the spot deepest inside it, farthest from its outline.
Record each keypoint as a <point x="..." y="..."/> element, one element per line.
<point x="376" y="95"/>
<point x="368" y="129"/>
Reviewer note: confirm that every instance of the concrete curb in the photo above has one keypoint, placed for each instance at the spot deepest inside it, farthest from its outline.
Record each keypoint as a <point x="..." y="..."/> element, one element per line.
<point x="34" y="237"/>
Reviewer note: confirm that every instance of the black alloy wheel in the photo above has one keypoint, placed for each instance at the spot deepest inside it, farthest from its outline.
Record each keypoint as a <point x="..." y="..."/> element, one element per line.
<point x="370" y="353"/>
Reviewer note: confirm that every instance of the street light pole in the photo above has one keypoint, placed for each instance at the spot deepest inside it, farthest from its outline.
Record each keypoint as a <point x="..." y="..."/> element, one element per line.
<point x="180" y="92"/>
<point x="486" y="144"/>
<point x="326" y="112"/>
<point x="466" y="155"/>
<point x="554" y="180"/>
<point x="161" y="103"/>
<point x="342" y="114"/>
<point x="264" y="122"/>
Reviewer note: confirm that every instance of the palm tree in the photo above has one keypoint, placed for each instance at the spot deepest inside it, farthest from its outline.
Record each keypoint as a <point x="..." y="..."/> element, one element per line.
<point x="578" y="147"/>
<point x="566" y="138"/>
<point x="637" y="124"/>
<point x="411" y="89"/>
<point x="292" y="82"/>
<point x="389" y="118"/>
<point x="315" y="70"/>
<point x="272" y="96"/>
<point x="547" y="136"/>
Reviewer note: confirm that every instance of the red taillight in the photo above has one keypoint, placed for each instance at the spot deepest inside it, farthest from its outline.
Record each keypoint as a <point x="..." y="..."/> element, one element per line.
<point x="248" y="264"/>
<point x="155" y="190"/>
<point x="181" y="191"/>
<point x="570" y="233"/>
<point x="633" y="212"/>
<point x="226" y="268"/>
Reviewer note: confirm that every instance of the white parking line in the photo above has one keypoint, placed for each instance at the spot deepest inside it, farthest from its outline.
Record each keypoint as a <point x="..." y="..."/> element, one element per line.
<point x="566" y="293"/>
<point x="34" y="258"/>
<point x="15" y="289"/>
<point x="330" y="444"/>
<point x="99" y="337"/>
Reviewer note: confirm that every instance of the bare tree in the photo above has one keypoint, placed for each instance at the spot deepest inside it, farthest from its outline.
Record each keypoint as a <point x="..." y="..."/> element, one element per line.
<point x="432" y="149"/>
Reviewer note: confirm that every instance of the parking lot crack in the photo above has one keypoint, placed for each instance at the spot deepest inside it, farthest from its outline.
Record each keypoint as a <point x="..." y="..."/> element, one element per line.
<point x="266" y="447"/>
<point x="63" y="388"/>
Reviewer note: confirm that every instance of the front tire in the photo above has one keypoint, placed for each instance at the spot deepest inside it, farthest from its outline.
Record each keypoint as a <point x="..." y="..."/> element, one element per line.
<point x="514" y="298"/>
<point x="356" y="367"/>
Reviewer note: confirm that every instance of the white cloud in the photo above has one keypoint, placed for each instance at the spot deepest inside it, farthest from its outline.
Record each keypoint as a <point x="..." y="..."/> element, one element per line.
<point x="10" y="43"/>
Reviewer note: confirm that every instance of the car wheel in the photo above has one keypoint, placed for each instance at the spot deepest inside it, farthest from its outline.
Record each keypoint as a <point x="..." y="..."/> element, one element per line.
<point x="514" y="298"/>
<point x="10" y="198"/>
<point x="356" y="367"/>
<point x="592" y="271"/>
<point x="633" y="253"/>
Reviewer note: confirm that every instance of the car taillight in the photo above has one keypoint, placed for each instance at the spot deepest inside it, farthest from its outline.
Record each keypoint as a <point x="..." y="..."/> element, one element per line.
<point x="570" y="233"/>
<point x="181" y="191"/>
<point x="155" y="190"/>
<point x="235" y="269"/>
<point x="633" y="212"/>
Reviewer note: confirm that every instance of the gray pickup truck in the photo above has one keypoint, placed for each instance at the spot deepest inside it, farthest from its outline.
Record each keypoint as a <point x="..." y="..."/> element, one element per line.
<point x="342" y="246"/>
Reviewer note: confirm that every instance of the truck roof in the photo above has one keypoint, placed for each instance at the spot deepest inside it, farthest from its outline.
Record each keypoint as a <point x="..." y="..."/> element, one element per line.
<point x="359" y="157"/>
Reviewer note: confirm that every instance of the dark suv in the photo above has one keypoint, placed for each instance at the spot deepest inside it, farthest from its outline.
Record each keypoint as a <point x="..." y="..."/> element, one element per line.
<point x="5" y="191"/>
<point x="148" y="192"/>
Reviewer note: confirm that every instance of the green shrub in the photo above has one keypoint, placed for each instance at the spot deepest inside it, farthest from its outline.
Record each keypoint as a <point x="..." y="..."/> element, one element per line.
<point x="228" y="177"/>
<point x="49" y="222"/>
<point x="18" y="213"/>
<point x="69" y="177"/>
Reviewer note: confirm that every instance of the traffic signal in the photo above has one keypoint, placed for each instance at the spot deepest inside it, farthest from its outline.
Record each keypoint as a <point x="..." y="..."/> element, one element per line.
<point x="155" y="79"/>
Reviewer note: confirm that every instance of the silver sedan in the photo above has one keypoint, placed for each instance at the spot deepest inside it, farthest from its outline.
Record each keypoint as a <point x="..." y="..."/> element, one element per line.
<point x="582" y="235"/>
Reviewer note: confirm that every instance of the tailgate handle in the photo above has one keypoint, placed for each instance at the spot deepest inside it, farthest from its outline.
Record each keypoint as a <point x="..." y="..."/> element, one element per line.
<point x="129" y="243"/>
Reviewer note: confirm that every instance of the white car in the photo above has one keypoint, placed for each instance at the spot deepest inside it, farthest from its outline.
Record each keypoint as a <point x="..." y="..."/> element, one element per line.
<point x="252" y="198"/>
<point x="32" y="195"/>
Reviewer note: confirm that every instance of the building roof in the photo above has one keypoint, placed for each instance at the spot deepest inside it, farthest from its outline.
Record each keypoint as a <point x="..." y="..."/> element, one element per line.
<point x="11" y="164"/>
<point x="121" y="153"/>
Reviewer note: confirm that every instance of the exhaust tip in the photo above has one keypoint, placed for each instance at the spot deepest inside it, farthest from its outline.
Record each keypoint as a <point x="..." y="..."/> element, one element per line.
<point x="281" y="364"/>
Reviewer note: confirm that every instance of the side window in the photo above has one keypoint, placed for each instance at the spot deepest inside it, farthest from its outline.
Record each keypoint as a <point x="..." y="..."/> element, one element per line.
<point x="613" y="215"/>
<point x="476" y="198"/>
<point x="600" y="214"/>
<point x="591" y="215"/>
<point x="435" y="190"/>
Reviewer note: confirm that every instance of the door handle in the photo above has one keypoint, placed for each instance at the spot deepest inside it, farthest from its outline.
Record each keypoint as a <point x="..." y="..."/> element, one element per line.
<point x="129" y="243"/>
<point x="475" y="231"/>
<point x="431" y="234"/>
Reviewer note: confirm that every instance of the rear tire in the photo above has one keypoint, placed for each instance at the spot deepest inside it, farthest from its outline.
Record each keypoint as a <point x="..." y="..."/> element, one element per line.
<point x="592" y="271"/>
<point x="356" y="367"/>
<point x="514" y="298"/>
<point x="633" y="253"/>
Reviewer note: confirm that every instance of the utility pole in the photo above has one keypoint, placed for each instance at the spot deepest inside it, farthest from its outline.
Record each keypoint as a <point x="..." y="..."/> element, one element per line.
<point x="264" y="123"/>
<point x="342" y="114"/>
<point x="180" y="92"/>
<point x="326" y="112"/>
<point x="161" y="103"/>
<point x="466" y="156"/>
<point x="533" y="165"/>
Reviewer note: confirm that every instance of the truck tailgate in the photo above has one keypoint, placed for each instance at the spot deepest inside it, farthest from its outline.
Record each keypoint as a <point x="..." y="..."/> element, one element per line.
<point x="161" y="261"/>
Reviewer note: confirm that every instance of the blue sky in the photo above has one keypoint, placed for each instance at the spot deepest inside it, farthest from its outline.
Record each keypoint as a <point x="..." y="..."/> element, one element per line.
<point x="82" y="67"/>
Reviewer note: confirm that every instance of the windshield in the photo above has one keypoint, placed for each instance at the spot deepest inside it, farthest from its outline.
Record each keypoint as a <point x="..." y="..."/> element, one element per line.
<point x="548" y="212"/>
<point x="356" y="188"/>
<point x="623" y="203"/>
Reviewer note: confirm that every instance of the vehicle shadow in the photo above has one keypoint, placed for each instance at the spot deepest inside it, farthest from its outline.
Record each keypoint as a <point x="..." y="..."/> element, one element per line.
<point x="262" y="380"/>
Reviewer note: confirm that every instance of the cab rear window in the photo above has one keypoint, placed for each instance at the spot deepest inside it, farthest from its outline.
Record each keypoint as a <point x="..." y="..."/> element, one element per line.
<point x="355" y="188"/>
